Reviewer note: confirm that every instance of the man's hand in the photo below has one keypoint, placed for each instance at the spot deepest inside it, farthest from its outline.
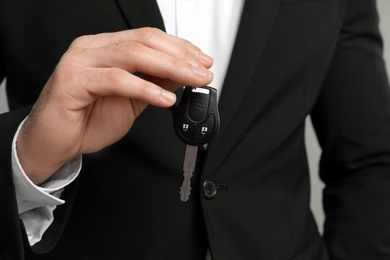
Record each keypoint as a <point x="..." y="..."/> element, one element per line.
<point x="94" y="95"/>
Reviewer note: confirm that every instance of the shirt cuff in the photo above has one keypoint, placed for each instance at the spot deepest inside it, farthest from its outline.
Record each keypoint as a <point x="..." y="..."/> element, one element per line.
<point x="30" y="196"/>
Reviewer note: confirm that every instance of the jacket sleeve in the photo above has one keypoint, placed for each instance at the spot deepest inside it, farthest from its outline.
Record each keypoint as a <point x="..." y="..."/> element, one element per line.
<point x="11" y="242"/>
<point x="352" y="122"/>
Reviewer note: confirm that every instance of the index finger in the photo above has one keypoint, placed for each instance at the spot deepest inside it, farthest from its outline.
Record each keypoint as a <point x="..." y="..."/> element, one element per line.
<point x="152" y="38"/>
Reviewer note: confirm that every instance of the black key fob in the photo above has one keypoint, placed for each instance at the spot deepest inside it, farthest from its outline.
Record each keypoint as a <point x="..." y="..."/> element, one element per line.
<point x="196" y="119"/>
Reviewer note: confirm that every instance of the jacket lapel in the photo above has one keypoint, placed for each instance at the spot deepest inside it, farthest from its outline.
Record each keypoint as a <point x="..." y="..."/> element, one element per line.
<point x="257" y="19"/>
<point x="141" y="13"/>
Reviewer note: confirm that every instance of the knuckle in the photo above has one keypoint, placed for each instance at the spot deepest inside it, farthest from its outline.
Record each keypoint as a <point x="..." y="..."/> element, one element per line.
<point x="72" y="55"/>
<point x="132" y="47"/>
<point x="63" y="72"/>
<point x="143" y="88"/>
<point x="147" y="32"/>
<point x="190" y="52"/>
<point x="81" y="41"/>
<point x="188" y="56"/>
<point x="127" y="48"/>
<point x="176" y="64"/>
<point x="190" y="46"/>
<point x="115" y="76"/>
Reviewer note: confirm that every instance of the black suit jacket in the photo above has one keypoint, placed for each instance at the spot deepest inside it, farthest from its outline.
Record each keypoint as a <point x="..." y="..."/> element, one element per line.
<point x="292" y="58"/>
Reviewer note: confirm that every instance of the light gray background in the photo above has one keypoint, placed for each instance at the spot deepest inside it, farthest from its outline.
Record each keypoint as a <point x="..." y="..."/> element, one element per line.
<point x="311" y="141"/>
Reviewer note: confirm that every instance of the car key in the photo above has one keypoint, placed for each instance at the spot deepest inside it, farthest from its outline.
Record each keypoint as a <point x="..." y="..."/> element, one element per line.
<point x="196" y="121"/>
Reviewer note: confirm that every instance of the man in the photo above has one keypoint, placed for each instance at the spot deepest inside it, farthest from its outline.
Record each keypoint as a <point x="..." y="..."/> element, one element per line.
<point x="250" y="196"/>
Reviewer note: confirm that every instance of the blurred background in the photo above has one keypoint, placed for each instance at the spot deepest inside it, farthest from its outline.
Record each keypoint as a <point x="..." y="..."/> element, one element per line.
<point x="313" y="149"/>
<point x="311" y="142"/>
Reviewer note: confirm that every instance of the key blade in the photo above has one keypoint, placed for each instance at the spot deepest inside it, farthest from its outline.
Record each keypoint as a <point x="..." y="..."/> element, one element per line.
<point x="190" y="157"/>
<point x="188" y="169"/>
<point x="185" y="189"/>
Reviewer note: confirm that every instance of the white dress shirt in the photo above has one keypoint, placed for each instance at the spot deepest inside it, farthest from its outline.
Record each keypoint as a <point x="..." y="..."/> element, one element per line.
<point x="210" y="24"/>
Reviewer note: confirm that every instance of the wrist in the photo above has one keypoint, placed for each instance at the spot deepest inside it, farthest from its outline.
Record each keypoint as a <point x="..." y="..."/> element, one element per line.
<point x="35" y="156"/>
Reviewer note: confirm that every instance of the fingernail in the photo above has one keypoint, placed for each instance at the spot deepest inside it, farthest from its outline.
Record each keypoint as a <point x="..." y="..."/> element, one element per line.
<point x="205" y="58"/>
<point x="202" y="72"/>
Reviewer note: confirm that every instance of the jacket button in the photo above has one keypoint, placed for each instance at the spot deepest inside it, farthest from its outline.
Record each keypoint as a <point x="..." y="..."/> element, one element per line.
<point x="209" y="189"/>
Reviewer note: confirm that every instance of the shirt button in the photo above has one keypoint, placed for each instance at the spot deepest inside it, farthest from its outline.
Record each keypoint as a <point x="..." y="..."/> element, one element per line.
<point x="209" y="189"/>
